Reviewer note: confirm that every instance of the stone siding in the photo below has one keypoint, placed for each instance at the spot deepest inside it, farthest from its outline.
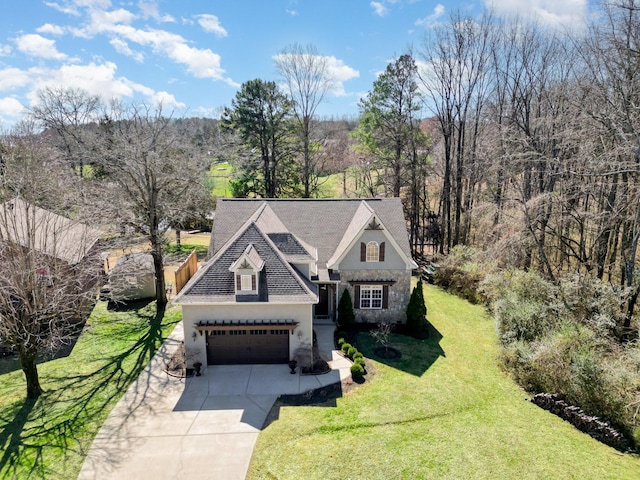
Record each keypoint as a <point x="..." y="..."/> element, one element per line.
<point x="399" y="294"/>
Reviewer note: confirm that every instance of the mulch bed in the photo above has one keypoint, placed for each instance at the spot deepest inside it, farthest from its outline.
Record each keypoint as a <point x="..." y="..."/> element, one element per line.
<point x="388" y="353"/>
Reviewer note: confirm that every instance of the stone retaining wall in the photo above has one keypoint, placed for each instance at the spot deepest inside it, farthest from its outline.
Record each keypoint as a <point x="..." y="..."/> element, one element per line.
<point x="593" y="426"/>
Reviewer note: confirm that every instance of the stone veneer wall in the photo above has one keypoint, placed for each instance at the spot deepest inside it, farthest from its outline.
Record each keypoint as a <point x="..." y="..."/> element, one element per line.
<point x="399" y="294"/>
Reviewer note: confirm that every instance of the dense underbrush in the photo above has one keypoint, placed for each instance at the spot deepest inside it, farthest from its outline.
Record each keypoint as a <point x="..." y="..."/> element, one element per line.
<point x="563" y="338"/>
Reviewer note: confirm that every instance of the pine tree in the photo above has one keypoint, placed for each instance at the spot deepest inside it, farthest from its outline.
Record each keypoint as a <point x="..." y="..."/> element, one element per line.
<point x="346" y="317"/>
<point x="416" y="310"/>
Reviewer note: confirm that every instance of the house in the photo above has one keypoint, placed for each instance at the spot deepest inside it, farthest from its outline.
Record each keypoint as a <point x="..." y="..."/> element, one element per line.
<point x="275" y="266"/>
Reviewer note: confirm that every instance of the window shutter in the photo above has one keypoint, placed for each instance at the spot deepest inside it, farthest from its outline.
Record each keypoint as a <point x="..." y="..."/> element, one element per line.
<point x="385" y="296"/>
<point x="238" y="283"/>
<point x="253" y="282"/>
<point x="363" y="252"/>
<point x="381" y="254"/>
<point x="356" y="297"/>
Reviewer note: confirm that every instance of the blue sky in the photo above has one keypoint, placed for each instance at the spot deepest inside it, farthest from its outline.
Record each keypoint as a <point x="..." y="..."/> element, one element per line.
<point x="193" y="54"/>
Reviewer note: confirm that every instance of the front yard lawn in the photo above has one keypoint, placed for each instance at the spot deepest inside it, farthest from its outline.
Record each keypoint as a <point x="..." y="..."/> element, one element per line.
<point x="443" y="410"/>
<point x="48" y="438"/>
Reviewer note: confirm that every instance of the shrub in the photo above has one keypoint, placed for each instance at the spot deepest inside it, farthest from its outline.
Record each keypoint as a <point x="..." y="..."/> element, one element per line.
<point x="351" y="352"/>
<point x="345" y="347"/>
<point x="357" y="355"/>
<point x="342" y="334"/>
<point x="341" y="341"/>
<point x="346" y="317"/>
<point x="416" y="310"/>
<point x="461" y="274"/>
<point x="359" y="361"/>
<point x="357" y="371"/>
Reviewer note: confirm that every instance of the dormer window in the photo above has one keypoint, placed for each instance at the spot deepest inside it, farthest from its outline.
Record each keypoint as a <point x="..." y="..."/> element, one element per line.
<point x="246" y="283"/>
<point x="246" y="269"/>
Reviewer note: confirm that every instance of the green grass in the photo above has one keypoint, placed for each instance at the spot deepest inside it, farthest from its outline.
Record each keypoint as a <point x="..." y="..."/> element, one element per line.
<point x="48" y="438"/>
<point x="187" y="248"/>
<point x="444" y="410"/>
<point x="218" y="178"/>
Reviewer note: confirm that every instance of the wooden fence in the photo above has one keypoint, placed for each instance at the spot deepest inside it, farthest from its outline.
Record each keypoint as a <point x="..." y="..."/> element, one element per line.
<point x="186" y="270"/>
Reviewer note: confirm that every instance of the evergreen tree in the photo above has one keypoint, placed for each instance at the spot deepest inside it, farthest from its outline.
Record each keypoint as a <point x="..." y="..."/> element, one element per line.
<point x="416" y="310"/>
<point x="346" y="316"/>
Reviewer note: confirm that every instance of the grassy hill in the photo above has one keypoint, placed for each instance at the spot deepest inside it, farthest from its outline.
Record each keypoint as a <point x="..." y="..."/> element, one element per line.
<point x="444" y="410"/>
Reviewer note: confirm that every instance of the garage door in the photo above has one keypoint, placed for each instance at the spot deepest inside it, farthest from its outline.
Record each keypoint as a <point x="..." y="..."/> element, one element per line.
<point x="247" y="345"/>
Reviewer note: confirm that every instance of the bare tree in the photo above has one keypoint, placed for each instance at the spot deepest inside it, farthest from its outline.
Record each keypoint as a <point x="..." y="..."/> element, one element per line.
<point x="149" y="170"/>
<point x="307" y="79"/>
<point x="48" y="263"/>
<point x="65" y="113"/>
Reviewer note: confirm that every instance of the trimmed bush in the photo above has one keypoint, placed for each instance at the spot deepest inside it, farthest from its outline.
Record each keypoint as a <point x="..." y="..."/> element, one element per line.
<point x="357" y="371"/>
<point x="342" y="334"/>
<point x="341" y="341"/>
<point x="416" y="310"/>
<point x="345" y="347"/>
<point x="346" y="317"/>
<point x="357" y="355"/>
<point x="359" y="361"/>
<point x="351" y="352"/>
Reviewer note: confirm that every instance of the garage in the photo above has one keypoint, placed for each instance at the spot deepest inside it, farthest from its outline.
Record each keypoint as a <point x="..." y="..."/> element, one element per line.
<point x="235" y="344"/>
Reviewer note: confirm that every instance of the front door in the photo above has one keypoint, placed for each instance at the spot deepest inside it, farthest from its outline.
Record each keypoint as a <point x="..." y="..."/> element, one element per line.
<point x="322" y="308"/>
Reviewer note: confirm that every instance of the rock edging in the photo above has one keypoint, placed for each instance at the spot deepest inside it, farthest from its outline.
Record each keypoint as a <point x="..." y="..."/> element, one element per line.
<point x="594" y="426"/>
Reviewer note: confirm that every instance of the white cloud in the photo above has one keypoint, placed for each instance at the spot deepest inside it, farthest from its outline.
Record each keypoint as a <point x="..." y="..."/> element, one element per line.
<point x="5" y="50"/>
<point x="293" y="13"/>
<point x="550" y="12"/>
<point x="429" y="20"/>
<point x="37" y="46"/>
<point x="149" y="9"/>
<point x="379" y="9"/>
<point x="102" y="20"/>
<point x="11" y="107"/>
<point x="201" y="63"/>
<point x="167" y="100"/>
<point x="50" y="29"/>
<point x="211" y="23"/>
<point x="13" y="79"/>
<point x="340" y="73"/>
<point x="123" y="48"/>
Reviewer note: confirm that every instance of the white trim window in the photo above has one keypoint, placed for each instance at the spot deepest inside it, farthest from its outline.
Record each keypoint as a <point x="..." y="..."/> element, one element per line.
<point x="371" y="297"/>
<point x="373" y="252"/>
<point x="246" y="283"/>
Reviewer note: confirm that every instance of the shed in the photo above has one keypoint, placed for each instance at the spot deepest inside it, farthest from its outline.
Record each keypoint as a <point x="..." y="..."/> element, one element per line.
<point x="132" y="278"/>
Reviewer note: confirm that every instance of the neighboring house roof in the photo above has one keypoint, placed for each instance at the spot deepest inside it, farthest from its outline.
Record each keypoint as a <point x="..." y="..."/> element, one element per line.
<point x="47" y="232"/>
<point x="278" y="281"/>
<point x="321" y="223"/>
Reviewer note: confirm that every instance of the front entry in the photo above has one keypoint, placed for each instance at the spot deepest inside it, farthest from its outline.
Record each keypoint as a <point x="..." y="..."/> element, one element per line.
<point x="257" y="344"/>
<point x="322" y="307"/>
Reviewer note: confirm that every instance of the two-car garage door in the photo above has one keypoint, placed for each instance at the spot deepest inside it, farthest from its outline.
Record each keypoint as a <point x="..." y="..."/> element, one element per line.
<point x="256" y="344"/>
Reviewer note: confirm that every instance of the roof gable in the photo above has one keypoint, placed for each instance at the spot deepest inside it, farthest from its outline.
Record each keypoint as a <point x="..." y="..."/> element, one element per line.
<point x="279" y="282"/>
<point x="250" y="257"/>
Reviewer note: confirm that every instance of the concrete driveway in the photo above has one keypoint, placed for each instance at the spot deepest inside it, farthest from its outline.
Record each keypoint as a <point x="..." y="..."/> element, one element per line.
<point x="198" y="428"/>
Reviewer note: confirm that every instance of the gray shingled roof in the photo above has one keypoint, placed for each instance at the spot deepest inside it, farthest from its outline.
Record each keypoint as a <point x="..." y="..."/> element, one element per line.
<point x="319" y="223"/>
<point x="278" y="281"/>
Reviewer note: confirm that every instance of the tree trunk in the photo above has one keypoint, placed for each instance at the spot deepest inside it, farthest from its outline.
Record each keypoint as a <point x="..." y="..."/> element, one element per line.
<point x="28" y="356"/>
<point x="178" y="243"/>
